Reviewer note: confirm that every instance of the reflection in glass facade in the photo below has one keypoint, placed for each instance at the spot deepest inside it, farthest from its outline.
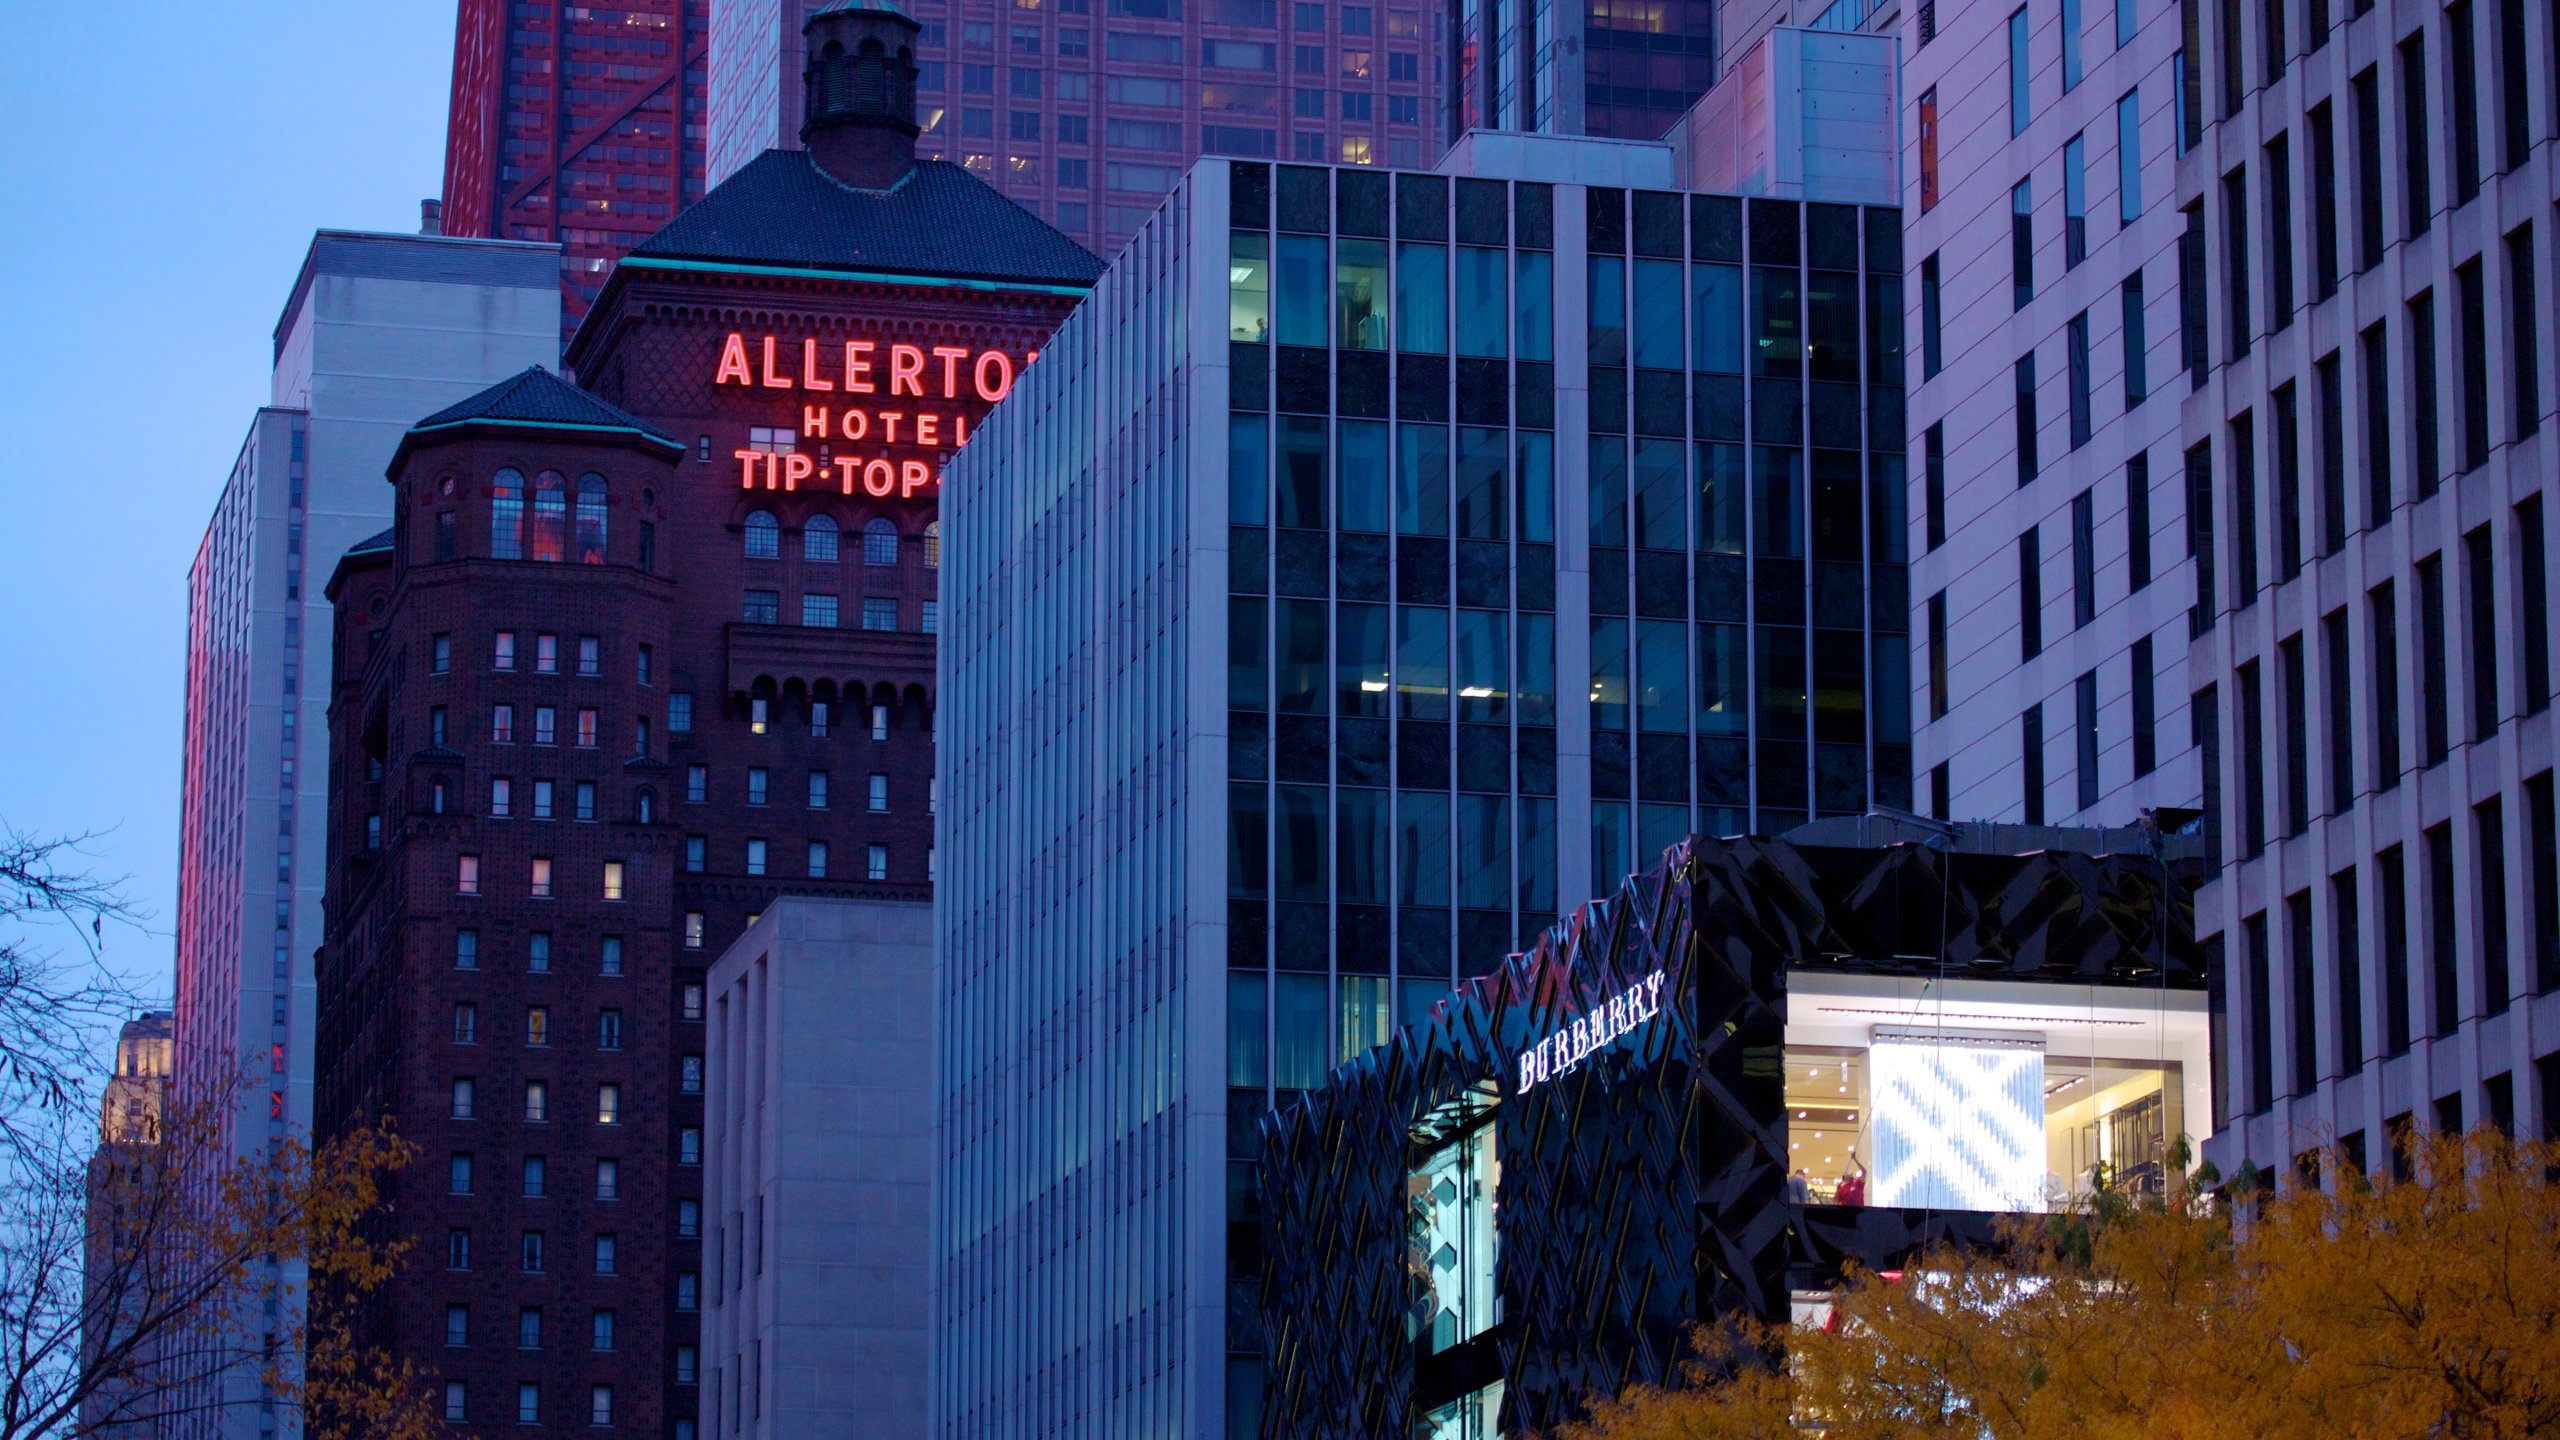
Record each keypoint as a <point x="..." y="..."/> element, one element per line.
<point x="1377" y="566"/>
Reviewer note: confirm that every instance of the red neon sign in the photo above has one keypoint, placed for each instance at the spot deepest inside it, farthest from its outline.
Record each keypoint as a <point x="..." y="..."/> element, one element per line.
<point x="892" y="373"/>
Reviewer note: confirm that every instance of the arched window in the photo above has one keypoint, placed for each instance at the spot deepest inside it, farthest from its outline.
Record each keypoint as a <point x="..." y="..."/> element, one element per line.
<point x="550" y="516"/>
<point x="764" y="537"/>
<point x="818" y="540"/>
<point x="933" y="545"/>
<point x="591" y="499"/>
<point x="506" y="516"/>
<point x="879" y="542"/>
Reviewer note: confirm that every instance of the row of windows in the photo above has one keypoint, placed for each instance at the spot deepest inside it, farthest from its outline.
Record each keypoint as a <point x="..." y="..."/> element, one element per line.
<point x="585" y="735"/>
<point x="538" y="1184"/>
<point x="550" y="536"/>
<point x="761" y="719"/>
<point x="757" y="858"/>
<point x="504" y="655"/>
<point x="457" y="1405"/>
<point x="533" y="1258"/>
<point x="697" y="788"/>
<point x="539" y="878"/>
<point x="820" y="537"/>
<point x="538" y="1032"/>
<point x="537" y="1093"/>
<point x="825" y="612"/>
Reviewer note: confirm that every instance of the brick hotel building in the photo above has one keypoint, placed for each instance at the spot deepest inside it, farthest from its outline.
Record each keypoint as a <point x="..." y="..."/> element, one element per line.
<point x="583" y="736"/>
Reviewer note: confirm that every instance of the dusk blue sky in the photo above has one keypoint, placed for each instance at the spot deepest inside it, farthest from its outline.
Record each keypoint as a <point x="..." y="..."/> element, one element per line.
<point x="165" y="166"/>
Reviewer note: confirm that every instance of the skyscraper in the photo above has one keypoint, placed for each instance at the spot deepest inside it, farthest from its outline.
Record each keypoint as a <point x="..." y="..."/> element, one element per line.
<point x="379" y="330"/>
<point x="1376" y="565"/>
<point x="1087" y="115"/>
<point x="575" y="125"/>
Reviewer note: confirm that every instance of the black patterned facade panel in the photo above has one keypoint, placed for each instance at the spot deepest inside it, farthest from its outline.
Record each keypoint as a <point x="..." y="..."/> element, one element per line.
<point x="1637" y="1131"/>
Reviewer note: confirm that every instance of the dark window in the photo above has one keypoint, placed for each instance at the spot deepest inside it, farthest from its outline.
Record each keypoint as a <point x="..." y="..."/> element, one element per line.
<point x="2200" y="541"/>
<point x="2244" y="511"/>
<point x="1932" y="345"/>
<point x="2524" y="335"/>
<point x="2533" y="601"/>
<point x="2489" y="829"/>
<point x="2084" y="696"/>
<point x="2204" y="728"/>
<point x="1937" y="640"/>
<point x="2018" y="111"/>
<point x="2137" y="358"/>
<point x="2076" y="355"/>
<point x="2075" y="199"/>
<point x="2324" y="201"/>
<point x="2391" y="950"/>
<point x="2084" y="558"/>
<point x="2516" y="126"/>
<point x="2340" y="679"/>
<point x="2146" y="740"/>
<point x="1933" y="475"/>
<point x="2329" y="374"/>
<point x="2251" y="802"/>
<point x="2375" y="362"/>
<point x="2416" y="191"/>
<point x="2279" y="180"/>
<point x="2262" y="1040"/>
<point x="2137" y="522"/>
<point x="2435" y="707"/>
<point x="2543" y="885"/>
<point x="2297" y="735"/>
<point x="2471" y="297"/>
<point x="2481" y="560"/>
<point x="2235" y="257"/>
<point x="2386" y="686"/>
<point x="2444" y="954"/>
<point x="2271" y="43"/>
<point x="2030" y="595"/>
<point x="2186" y="74"/>
<point x="2347" y="966"/>
<point x="2461" y="68"/>
<point x="2234" y="82"/>
<point x="2191" y="308"/>
<point x="1938" y="799"/>
<point x="2287" y="512"/>
<point x="1928" y="148"/>
<point x="2071" y="71"/>
<point x="2425" y="453"/>
<point x="2031" y="762"/>
<point x="2303" y="1001"/>
<point x="2024" y="377"/>
<point x="2022" y="245"/>
<point x="2367" y="90"/>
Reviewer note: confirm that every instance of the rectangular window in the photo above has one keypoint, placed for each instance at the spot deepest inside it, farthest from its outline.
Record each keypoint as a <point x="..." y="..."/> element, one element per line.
<point x="2543" y="886"/>
<point x="2287" y="511"/>
<point x="2366" y="89"/>
<point x="2071" y="71"/>
<point x="2444" y="951"/>
<point x="2031" y="764"/>
<point x="2418" y="200"/>
<point x="2324" y="201"/>
<point x="2075" y="201"/>
<point x="2295" y="681"/>
<point x="1937" y="641"/>
<point x="2435" y="707"/>
<point x="2146" y="740"/>
<point x="680" y="714"/>
<point x="2137" y="522"/>
<point x="2524" y="336"/>
<point x="2302" y="991"/>
<point x="2271" y="41"/>
<point x="2329" y="374"/>
<point x="2200" y="539"/>
<point x="762" y="607"/>
<point x="2192" y="323"/>
<point x="2338" y="674"/>
<point x="1933" y="473"/>
<point x="2347" y="971"/>
<point x="2076" y="368"/>
<point x="879" y="613"/>
<point x="2462" y="70"/>
<point x="2030" y="596"/>
<point x="467" y="875"/>
<point x="613" y="880"/>
<point x="2022" y="244"/>
<point x="2261" y="1002"/>
<point x="2279" y="183"/>
<point x="2489" y="865"/>
<point x="2234" y="79"/>
<point x="2018" y="111"/>
<point x="2384" y="609"/>
<point x="2533" y="605"/>
<point x="2235" y="255"/>
<point x="2375" y="361"/>
<point x="2251" y="803"/>
<point x="2024" y="378"/>
<point x="2244" y="511"/>
<point x="817" y="865"/>
<point x="2128" y="151"/>
<point x="2426" y="453"/>
<point x="756" y="854"/>
<point x="2471" y="296"/>
<point x="609" y="956"/>
<point x="2137" y="344"/>
<point x="2481" y="561"/>
<point x="758" y="784"/>
<point x="1928" y="128"/>
<point x="818" y="612"/>
<point x="2391" y="948"/>
<point x="2126" y="19"/>
<point x="1932" y="345"/>
<point x="2084" y="558"/>
<point x="877" y="793"/>
<point x="2084" y="695"/>
<point x="2204" y="733"/>
<point x="876" y="862"/>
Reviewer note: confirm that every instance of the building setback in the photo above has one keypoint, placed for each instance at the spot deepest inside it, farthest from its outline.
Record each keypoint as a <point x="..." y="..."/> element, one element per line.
<point x="575" y="125"/>
<point x="1378" y="563"/>
<point x="1087" y="115"/>
<point x="379" y="329"/>
<point x="634" y="661"/>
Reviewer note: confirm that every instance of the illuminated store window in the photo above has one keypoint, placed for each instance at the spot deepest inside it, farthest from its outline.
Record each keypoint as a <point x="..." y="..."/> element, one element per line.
<point x="1452" y="1224"/>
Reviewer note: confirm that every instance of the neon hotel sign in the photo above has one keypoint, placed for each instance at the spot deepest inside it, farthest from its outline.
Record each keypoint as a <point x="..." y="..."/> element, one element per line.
<point x="1563" y="1052"/>
<point x="870" y="399"/>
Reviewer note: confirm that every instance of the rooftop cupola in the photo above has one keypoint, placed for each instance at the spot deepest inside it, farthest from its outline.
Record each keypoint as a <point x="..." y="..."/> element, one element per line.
<point x="861" y="93"/>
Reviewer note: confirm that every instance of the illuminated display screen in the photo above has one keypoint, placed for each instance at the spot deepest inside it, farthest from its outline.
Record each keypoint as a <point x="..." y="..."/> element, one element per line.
<point x="1959" y="1119"/>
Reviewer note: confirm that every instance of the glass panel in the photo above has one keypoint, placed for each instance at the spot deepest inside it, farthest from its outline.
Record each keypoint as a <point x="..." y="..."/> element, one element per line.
<point x="1484" y="852"/>
<point x="1361" y="1019"/>
<point x="1302" y="290"/>
<point x="1779" y="347"/>
<point x="1298" y="868"/>
<point x="1484" y="664"/>
<point x="1661" y="509"/>
<point x="1453" y="1223"/>
<point x="1248" y="469"/>
<point x="1537" y="858"/>
<point x="1483" y="302"/>
<point x="1662" y="672"/>
<point x="1608" y="311"/>
<point x="1302" y="466"/>
<point x="1360" y="660"/>
<point x="1422" y="848"/>
<point x="1537" y="486"/>
<point x="1249" y="287"/>
<point x="1723" y="680"/>
<point x="1360" y="293"/>
<point x="1657" y="314"/>
<point x="1248" y="1048"/>
<point x="1536" y="688"/>
<point x="1778" y="488"/>
<point x="1248" y="843"/>
<point x="1608" y="492"/>
<point x="1422" y="298"/>
<point x="1248" y="656"/>
<point x="1608" y="674"/>
<point x="1299" y="1034"/>
<point x="1360" y="470"/>
<point x="1360" y="850"/>
<point x="1422" y="479"/>
<point x="1301" y="672"/>
<point x="1422" y="663"/>
<point x="1537" y="325"/>
<point x="1481" y="483"/>
<point x="1716" y="295"/>
<point x="1720" y="499"/>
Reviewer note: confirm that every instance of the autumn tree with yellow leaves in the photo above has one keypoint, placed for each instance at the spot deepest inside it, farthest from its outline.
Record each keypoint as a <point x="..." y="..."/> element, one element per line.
<point x="2423" y="1306"/>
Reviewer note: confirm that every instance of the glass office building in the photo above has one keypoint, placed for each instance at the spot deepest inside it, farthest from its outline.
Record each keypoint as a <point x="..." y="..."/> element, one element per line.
<point x="1375" y="566"/>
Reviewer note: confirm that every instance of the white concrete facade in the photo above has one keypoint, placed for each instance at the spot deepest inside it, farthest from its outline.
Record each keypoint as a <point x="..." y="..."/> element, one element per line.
<point x="818" y="1174"/>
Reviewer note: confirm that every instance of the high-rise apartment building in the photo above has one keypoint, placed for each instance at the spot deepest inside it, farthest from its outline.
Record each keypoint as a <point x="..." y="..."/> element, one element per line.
<point x="2368" y="192"/>
<point x="2051" y="580"/>
<point x="1375" y="566"/>
<point x="634" y="661"/>
<point x="1087" y="114"/>
<point x="379" y="330"/>
<point x="575" y="125"/>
